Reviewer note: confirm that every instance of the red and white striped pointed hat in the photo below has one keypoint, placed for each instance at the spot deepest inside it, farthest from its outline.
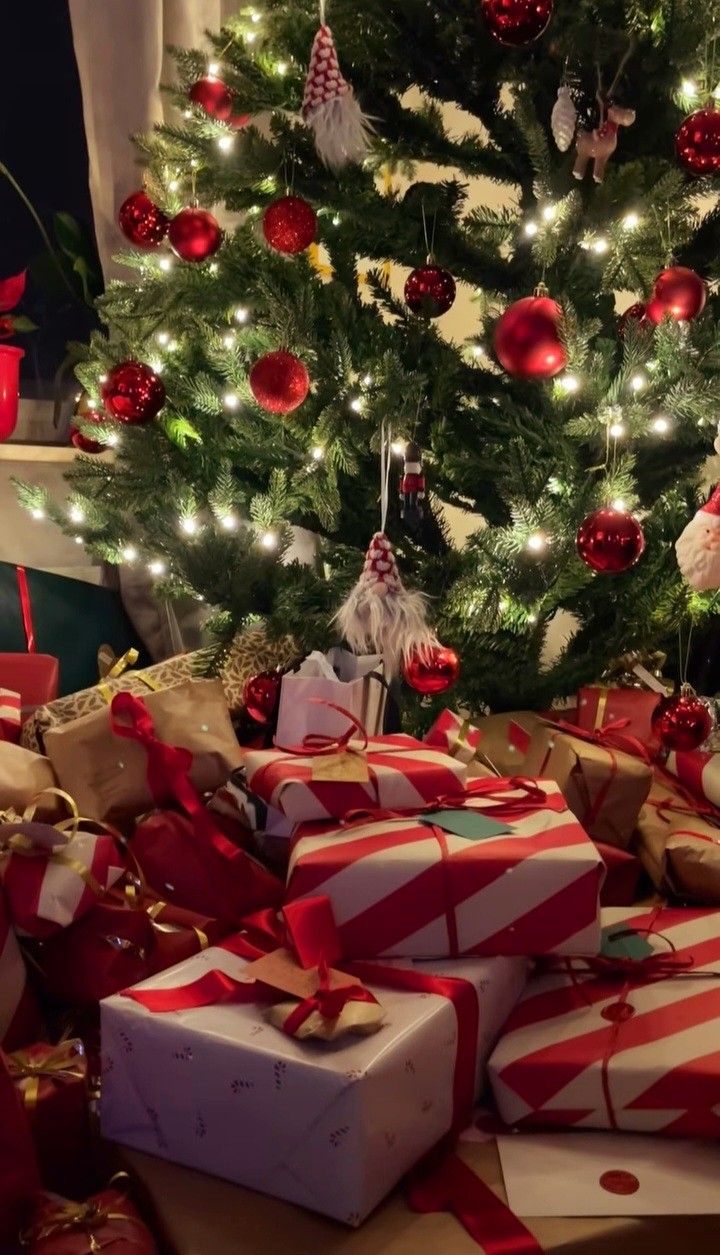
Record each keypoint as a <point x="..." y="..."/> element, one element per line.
<point x="712" y="505"/>
<point x="325" y="80"/>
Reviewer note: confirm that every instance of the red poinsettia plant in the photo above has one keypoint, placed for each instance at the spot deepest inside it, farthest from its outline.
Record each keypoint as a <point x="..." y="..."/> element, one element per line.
<point x="12" y="291"/>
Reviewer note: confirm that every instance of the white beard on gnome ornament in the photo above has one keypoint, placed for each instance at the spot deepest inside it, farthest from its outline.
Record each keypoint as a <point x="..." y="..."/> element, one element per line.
<point x="698" y="548"/>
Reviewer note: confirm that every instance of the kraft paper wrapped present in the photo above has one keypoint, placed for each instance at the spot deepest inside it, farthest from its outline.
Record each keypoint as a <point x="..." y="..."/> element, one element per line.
<point x="51" y="1082"/>
<point x="24" y="775"/>
<point x="629" y="1042"/>
<point x="512" y="872"/>
<point x="678" y="842"/>
<point x="395" y="772"/>
<point x="605" y="786"/>
<point x="455" y="735"/>
<point x="332" y="1127"/>
<point x="106" y="772"/>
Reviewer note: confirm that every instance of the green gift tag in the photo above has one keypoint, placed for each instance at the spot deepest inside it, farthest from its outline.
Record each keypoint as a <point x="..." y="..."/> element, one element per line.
<point x="624" y="943"/>
<point x="472" y="825"/>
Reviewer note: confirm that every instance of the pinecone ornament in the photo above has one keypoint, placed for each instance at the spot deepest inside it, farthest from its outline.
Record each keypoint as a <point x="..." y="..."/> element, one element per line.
<point x="341" y="130"/>
<point x="563" y="119"/>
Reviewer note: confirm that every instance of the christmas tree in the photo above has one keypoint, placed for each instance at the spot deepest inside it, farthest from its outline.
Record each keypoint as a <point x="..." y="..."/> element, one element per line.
<point x="523" y="152"/>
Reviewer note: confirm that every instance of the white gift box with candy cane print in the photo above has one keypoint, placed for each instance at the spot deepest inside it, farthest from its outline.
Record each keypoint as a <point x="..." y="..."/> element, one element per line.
<point x="10" y="715"/>
<point x="416" y="887"/>
<point x="632" y="1046"/>
<point x="392" y="772"/>
<point x="332" y="1127"/>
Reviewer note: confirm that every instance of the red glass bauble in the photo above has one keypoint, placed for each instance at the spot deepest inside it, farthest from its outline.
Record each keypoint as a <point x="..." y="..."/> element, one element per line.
<point x="279" y="382"/>
<point x="290" y="224"/>
<point x="133" y="393"/>
<point x="634" y="313"/>
<point x="680" y="293"/>
<point x="433" y="670"/>
<point x="261" y="695"/>
<point x="697" y="143"/>
<point x="84" y="443"/>
<point x="142" y="222"/>
<point x="527" y="342"/>
<point x="430" y="290"/>
<point x="194" y="234"/>
<point x="682" y="721"/>
<point x="610" y="541"/>
<point x="516" y="22"/>
<point x="213" y="96"/>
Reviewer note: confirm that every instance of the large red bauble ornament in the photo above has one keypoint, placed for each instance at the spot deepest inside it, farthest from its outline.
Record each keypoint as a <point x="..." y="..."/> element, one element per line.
<point x="634" y="313"/>
<point x="261" y="695"/>
<point x="85" y="443"/>
<point x="697" y="143"/>
<point x="142" y="222"/>
<point x="133" y="393"/>
<point x="194" y="234"/>
<point x="279" y="382"/>
<point x="610" y="541"/>
<point x="527" y="341"/>
<point x="679" y="292"/>
<point x="433" y="670"/>
<point x="516" y="22"/>
<point x="682" y="721"/>
<point x="290" y="224"/>
<point x="213" y="96"/>
<point x="430" y="290"/>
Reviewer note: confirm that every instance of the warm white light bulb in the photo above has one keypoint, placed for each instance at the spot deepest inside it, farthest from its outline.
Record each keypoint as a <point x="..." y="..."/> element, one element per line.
<point x="102" y="379"/>
<point x="78" y="540"/>
<point x="213" y="267"/>
<point x="398" y="447"/>
<point x="231" y="400"/>
<point x="531" y="228"/>
<point x="660" y="425"/>
<point x="569" y="383"/>
<point x="250" y="37"/>
<point x="156" y="567"/>
<point x="269" y="540"/>
<point x="318" y="453"/>
<point x="113" y="441"/>
<point x="163" y="337"/>
<point x="129" y="553"/>
<point x="502" y="605"/>
<point x="187" y="113"/>
<point x="637" y="383"/>
<point x="241" y="314"/>
<point x="225" y="143"/>
<point x="37" y="513"/>
<point x="617" y="430"/>
<point x="549" y="212"/>
<point x="157" y="365"/>
<point x="477" y="350"/>
<point x="532" y="618"/>
<point x="173" y="185"/>
<point x="189" y="525"/>
<point x="536" y="542"/>
<point x="688" y="88"/>
<point x="600" y="245"/>
<point x="356" y="404"/>
<point x="76" y="514"/>
<point x="367" y="381"/>
<point x="165" y="263"/>
<point x="630" y="221"/>
<point x="229" y="340"/>
<point x="213" y="69"/>
<point x="281" y="68"/>
<point x="228" y="522"/>
<point x="619" y="506"/>
<point x="336" y="220"/>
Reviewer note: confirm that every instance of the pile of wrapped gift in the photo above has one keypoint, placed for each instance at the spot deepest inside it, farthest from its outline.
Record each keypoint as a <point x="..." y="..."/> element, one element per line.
<point x="299" y="963"/>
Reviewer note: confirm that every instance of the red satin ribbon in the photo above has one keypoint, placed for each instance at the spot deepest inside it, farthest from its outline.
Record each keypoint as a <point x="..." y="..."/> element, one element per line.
<point x="448" y="1184"/>
<point x="315" y="743"/>
<point x="26" y="608"/>
<point x="610" y="738"/>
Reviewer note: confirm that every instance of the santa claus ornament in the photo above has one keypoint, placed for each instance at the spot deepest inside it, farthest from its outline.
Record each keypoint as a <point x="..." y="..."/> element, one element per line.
<point x="341" y="130"/>
<point x="698" y="548"/>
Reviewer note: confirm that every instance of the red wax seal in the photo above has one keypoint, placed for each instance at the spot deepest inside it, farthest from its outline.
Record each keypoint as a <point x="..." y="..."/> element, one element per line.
<point x="619" y="1182"/>
<point x="617" y="1012"/>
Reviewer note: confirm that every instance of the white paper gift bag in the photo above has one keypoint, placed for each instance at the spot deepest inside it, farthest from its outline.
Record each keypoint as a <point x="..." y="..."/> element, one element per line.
<point x="356" y="683"/>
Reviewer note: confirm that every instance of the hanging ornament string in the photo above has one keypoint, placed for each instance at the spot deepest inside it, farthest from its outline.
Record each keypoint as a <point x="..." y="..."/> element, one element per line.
<point x="429" y="243"/>
<point x="684" y="662"/>
<point x="322" y="12"/>
<point x="385" y="466"/>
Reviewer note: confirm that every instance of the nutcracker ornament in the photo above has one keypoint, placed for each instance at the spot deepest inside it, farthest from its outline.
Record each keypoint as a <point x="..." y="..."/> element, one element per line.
<point x="599" y="144"/>
<point x="412" y="486"/>
<point x="341" y="129"/>
<point x="698" y="547"/>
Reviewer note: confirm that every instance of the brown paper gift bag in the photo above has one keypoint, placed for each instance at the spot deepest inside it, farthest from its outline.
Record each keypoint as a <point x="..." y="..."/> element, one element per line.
<point x="23" y="775"/>
<point x="107" y="774"/>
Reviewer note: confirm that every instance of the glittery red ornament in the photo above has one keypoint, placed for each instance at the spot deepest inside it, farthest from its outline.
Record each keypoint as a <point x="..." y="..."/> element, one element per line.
<point x="213" y="96"/>
<point x="697" y="143"/>
<point x="634" y="313"/>
<point x="430" y="290"/>
<point x="133" y="393"/>
<point x="610" y="541"/>
<point x="682" y="721"/>
<point x="680" y="293"/>
<point x="194" y="234"/>
<point x="290" y="224"/>
<point x="527" y="341"/>
<point x="279" y="382"/>
<point x="142" y="222"/>
<point x="516" y="22"/>
<point x="433" y="670"/>
<point x="261" y="695"/>
<point x="82" y="442"/>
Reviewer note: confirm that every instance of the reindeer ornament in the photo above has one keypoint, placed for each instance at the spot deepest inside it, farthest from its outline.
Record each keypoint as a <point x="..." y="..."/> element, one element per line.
<point x="599" y="145"/>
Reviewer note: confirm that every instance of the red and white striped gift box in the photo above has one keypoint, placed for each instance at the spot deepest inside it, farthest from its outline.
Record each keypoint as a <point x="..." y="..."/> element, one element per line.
<point x="50" y="881"/>
<point x="455" y="735"/>
<point x="613" y="1050"/>
<point x="10" y="716"/>
<point x="403" y="774"/>
<point x="699" y="771"/>
<point x="402" y="888"/>
<point x="20" y="1018"/>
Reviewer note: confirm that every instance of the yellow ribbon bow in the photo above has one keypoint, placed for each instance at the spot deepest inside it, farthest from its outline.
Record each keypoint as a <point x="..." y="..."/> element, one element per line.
<point x="67" y="1216"/>
<point x="22" y="842"/>
<point x="64" y="1062"/>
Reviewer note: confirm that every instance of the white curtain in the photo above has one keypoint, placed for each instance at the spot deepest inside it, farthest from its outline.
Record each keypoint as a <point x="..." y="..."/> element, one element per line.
<point x="120" y="50"/>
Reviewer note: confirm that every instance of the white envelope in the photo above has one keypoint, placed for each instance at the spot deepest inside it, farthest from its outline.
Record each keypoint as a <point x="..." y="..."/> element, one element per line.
<point x="610" y="1174"/>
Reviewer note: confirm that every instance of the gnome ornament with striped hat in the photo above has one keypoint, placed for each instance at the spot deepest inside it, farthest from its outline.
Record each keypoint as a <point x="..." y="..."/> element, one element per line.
<point x="341" y="130"/>
<point x="698" y="548"/>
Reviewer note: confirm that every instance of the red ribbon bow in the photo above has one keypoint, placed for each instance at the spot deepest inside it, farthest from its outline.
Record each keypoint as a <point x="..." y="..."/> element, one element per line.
<point x="610" y="736"/>
<point x="316" y="743"/>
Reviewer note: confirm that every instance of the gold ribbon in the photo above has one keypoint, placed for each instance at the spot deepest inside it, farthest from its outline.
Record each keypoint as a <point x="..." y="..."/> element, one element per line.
<point x="67" y="1216"/>
<point x="601" y="708"/>
<point x="61" y="1064"/>
<point x="122" y="664"/>
<point x="156" y="908"/>
<point x="21" y="843"/>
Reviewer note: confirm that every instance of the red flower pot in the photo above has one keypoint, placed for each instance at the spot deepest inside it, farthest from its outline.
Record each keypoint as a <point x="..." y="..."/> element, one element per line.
<point x="9" y="388"/>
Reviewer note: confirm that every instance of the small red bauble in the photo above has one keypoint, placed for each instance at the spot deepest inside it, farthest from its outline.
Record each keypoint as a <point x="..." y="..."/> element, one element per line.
<point x="527" y="342"/>
<point x="683" y="721"/>
<point x="142" y="222"/>
<point x="290" y="224"/>
<point x="433" y="670"/>
<point x="213" y="96"/>
<point x="430" y="290"/>
<point x="610" y="541"/>
<point x="194" y="234"/>
<point x="697" y="143"/>
<point x="516" y="22"/>
<point x="634" y="313"/>
<point x="84" y="443"/>
<point x="279" y="382"/>
<point x="133" y="393"/>
<point x="12" y="290"/>
<point x="680" y="293"/>
<point x="261" y="695"/>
